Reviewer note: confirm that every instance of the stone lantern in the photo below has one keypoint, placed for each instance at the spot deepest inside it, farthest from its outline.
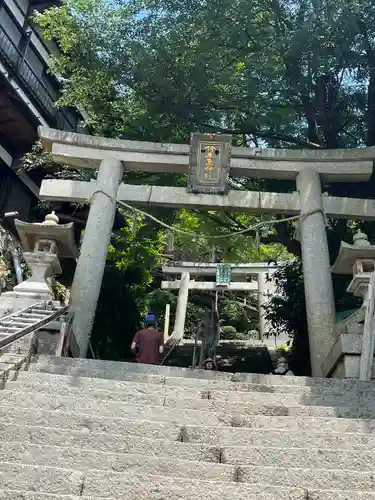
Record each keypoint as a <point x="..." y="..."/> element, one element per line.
<point x="343" y="360"/>
<point x="359" y="260"/>
<point x="44" y="243"/>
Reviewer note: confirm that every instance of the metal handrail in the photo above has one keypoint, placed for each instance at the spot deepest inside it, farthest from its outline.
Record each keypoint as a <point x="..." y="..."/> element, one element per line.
<point x="25" y="331"/>
<point x="16" y="60"/>
<point x="173" y="342"/>
<point x="92" y="351"/>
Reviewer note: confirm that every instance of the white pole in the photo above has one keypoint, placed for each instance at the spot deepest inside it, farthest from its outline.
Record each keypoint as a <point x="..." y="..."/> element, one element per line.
<point x="261" y="301"/>
<point x="166" y="321"/>
<point x="183" y="294"/>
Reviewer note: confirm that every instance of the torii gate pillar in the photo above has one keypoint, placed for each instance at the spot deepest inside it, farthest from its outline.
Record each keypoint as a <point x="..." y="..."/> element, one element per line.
<point x="320" y="304"/>
<point x="91" y="263"/>
<point x="183" y="294"/>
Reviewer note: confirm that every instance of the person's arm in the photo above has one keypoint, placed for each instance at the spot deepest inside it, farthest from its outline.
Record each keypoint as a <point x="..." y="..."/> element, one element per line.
<point x="135" y="341"/>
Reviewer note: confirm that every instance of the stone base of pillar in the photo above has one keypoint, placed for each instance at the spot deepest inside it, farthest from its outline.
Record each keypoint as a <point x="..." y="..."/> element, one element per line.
<point x="344" y="358"/>
<point x="348" y="367"/>
<point x="11" y="302"/>
<point x="42" y="265"/>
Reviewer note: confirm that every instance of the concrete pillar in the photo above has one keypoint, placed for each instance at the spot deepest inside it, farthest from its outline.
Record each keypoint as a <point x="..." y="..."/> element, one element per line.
<point x="183" y="293"/>
<point x="320" y="306"/>
<point x="261" y="301"/>
<point x="93" y="253"/>
<point x="166" y="321"/>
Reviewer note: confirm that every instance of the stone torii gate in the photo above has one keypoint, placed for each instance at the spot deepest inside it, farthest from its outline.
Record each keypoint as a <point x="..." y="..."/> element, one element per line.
<point x="209" y="169"/>
<point x="240" y="272"/>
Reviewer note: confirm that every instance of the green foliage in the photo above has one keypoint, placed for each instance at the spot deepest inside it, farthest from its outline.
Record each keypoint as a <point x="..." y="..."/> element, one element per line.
<point x="283" y="349"/>
<point x="157" y="300"/>
<point x="228" y="331"/>
<point x="59" y="291"/>
<point x="195" y="317"/>
<point x="39" y="159"/>
<point x="233" y="313"/>
<point x="136" y="252"/>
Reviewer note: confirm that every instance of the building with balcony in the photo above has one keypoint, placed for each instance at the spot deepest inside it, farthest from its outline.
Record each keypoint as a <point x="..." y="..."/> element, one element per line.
<point x="28" y="92"/>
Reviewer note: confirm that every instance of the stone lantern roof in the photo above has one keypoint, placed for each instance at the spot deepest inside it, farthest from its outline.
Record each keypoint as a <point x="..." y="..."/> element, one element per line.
<point x="50" y="229"/>
<point x="349" y="254"/>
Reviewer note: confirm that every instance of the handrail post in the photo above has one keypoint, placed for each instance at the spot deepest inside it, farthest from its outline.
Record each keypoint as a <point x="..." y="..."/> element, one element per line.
<point x="368" y="338"/>
<point x="62" y="335"/>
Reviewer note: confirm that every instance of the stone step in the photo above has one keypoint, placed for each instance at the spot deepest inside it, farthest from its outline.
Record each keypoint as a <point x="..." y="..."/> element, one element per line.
<point x="225" y="408"/>
<point x="120" y="371"/>
<point x="103" y="368"/>
<point x="171" y="415"/>
<point x="312" y="438"/>
<point x="200" y="411"/>
<point x="84" y="459"/>
<point x="129" y="391"/>
<point x="272" y="495"/>
<point x="142" y="408"/>
<point x="89" y="460"/>
<point x="200" y="442"/>
<point x="319" y="479"/>
<point x="195" y="385"/>
<point x="227" y="400"/>
<point x="42" y="479"/>
<point x="25" y="482"/>
<point x="31" y="495"/>
<point x="173" y="430"/>
<point x="91" y="422"/>
<point x="89" y="397"/>
<point x="34" y="373"/>
<point x="139" y="444"/>
<point x="161" y="487"/>
<point x="359" y="460"/>
<point x="122" y="391"/>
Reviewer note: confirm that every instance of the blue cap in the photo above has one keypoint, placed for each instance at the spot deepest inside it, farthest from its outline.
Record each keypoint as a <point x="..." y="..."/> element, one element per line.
<point x="150" y="317"/>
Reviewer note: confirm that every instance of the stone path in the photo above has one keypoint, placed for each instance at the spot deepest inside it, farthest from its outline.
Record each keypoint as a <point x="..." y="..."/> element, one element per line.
<point x="92" y="430"/>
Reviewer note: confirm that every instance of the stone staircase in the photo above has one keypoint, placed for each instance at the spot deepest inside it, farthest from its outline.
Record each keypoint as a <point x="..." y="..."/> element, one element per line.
<point x="76" y="429"/>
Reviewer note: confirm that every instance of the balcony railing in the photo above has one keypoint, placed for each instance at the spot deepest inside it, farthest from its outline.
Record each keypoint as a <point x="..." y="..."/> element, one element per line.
<point x="31" y="82"/>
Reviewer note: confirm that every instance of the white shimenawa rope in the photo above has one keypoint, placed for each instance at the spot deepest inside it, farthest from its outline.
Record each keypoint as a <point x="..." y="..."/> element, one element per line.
<point x="254" y="227"/>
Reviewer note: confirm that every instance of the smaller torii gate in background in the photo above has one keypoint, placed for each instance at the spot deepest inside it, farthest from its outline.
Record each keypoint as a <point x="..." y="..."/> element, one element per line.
<point x="187" y="271"/>
<point x="209" y="161"/>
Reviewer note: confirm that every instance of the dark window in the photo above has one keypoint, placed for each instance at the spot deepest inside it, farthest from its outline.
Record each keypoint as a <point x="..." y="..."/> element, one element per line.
<point x="10" y="27"/>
